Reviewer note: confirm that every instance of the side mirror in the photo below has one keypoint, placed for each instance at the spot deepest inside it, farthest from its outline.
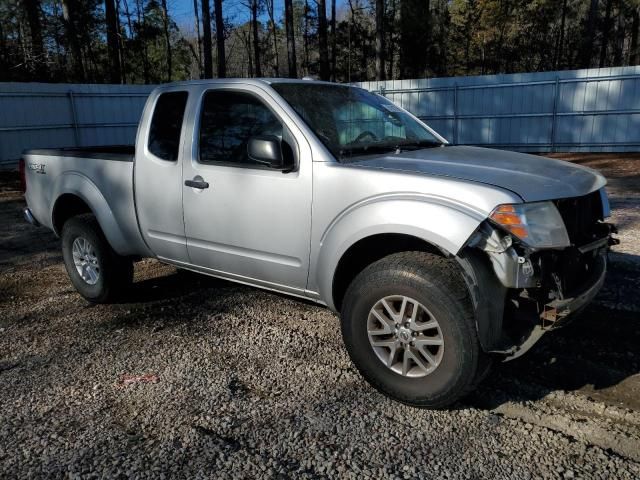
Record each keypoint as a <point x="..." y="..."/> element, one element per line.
<point x="267" y="150"/>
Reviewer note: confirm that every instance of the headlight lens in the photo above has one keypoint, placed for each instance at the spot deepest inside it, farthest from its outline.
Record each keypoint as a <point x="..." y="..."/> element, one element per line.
<point x="537" y="224"/>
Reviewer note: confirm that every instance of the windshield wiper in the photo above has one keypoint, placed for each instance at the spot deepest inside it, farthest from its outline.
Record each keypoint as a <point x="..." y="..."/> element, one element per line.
<point x="418" y="144"/>
<point x="367" y="149"/>
<point x="372" y="148"/>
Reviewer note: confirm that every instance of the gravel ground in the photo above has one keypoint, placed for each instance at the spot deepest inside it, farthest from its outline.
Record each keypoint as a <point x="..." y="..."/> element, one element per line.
<point x="234" y="382"/>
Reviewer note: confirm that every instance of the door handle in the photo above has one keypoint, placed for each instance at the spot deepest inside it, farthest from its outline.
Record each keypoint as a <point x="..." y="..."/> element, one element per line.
<point x="201" y="184"/>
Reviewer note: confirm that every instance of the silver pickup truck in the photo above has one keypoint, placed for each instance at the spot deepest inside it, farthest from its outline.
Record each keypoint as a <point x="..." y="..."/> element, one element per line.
<point x="437" y="258"/>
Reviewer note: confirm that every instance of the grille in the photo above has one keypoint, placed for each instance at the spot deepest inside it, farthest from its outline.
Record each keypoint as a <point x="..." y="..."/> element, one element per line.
<point x="581" y="216"/>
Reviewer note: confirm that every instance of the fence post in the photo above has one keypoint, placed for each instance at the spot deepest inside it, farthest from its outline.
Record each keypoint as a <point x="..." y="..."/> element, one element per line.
<point x="455" y="114"/>
<point x="554" y="118"/>
<point x="74" y="118"/>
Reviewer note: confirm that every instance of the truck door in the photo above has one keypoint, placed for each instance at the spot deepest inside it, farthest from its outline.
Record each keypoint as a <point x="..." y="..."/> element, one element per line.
<point x="158" y="176"/>
<point x="243" y="220"/>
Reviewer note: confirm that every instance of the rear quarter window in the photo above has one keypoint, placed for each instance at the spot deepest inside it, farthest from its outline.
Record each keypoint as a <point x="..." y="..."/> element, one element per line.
<point x="166" y="125"/>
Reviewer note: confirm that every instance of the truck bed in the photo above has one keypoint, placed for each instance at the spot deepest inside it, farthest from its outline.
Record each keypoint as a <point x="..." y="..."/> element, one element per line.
<point x="101" y="176"/>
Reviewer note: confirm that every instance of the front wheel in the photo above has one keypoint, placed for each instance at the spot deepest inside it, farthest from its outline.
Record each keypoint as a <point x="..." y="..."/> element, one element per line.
<point x="97" y="272"/>
<point x="408" y="326"/>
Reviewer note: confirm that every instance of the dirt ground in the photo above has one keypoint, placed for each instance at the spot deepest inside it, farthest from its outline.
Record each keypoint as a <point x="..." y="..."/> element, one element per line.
<point x="243" y="383"/>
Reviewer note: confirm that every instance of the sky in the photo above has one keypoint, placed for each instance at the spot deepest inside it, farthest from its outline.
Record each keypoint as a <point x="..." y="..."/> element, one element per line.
<point x="182" y="11"/>
<point x="183" y="14"/>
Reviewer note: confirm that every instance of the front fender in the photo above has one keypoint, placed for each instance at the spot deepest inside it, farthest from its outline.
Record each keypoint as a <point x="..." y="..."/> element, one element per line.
<point x="75" y="183"/>
<point x="443" y="223"/>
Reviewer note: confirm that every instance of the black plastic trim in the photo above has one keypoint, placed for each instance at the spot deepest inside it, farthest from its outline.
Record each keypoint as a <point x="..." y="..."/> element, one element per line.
<point x="117" y="153"/>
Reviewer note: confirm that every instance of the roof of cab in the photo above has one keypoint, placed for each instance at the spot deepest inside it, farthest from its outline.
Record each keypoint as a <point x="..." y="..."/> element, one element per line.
<point x="249" y="81"/>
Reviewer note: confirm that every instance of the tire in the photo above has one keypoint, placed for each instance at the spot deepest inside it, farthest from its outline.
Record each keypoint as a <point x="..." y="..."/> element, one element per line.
<point x="435" y="285"/>
<point x="114" y="273"/>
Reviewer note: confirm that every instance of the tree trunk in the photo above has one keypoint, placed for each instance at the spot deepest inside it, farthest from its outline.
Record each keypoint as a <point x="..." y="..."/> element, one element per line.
<point x="69" y="20"/>
<point x="222" y="60"/>
<point x="634" y="53"/>
<point x="113" y="46"/>
<point x="588" y="36"/>
<point x="32" y="9"/>
<point x="22" y="40"/>
<point x="415" y="33"/>
<point x="246" y="40"/>
<point x="127" y="13"/>
<point x="121" y="47"/>
<point x="560" y="43"/>
<point x="167" y="38"/>
<point x="606" y="31"/>
<point x="145" y="51"/>
<point x="291" y="39"/>
<point x="620" y="36"/>
<point x="391" y="42"/>
<point x="206" y="40"/>
<point x="351" y="34"/>
<point x="256" y="38"/>
<point x="274" y="39"/>
<point x="199" y="57"/>
<point x="333" y="40"/>
<point x="467" y="44"/>
<point x="305" y="40"/>
<point x="380" y="71"/>
<point x="3" y="49"/>
<point x="323" y="40"/>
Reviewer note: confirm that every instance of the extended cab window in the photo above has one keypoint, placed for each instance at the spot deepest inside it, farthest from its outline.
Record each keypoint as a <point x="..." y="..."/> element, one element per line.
<point x="166" y="124"/>
<point x="228" y="121"/>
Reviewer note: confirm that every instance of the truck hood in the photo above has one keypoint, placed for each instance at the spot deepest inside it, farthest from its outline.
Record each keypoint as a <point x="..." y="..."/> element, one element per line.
<point x="531" y="177"/>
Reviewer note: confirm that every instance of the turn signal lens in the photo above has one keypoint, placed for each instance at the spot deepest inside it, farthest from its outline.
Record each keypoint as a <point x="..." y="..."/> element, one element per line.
<point x="507" y="216"/>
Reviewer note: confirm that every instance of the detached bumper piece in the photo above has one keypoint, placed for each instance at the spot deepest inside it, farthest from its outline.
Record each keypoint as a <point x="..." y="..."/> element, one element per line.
<point x="28" y="216"/>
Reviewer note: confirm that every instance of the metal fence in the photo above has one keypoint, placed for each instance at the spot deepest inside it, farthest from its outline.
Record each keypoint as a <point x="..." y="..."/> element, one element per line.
<point x="34" y="115"/>
<point x="594" y="110"/>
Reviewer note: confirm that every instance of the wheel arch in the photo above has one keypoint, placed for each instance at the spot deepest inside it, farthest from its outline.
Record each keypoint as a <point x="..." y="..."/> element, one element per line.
<point x="400" y="224"/>
<point x="371" y="249"/>
<point x="76" y="194"/>
<point x="66" y="206"/>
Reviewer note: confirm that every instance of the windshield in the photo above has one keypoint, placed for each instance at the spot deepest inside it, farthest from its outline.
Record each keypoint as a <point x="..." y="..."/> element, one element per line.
<point x="351" y="121"/>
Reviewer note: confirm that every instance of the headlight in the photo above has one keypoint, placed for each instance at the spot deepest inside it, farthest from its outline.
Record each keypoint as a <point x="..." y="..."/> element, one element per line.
<point x="537" y="224"/>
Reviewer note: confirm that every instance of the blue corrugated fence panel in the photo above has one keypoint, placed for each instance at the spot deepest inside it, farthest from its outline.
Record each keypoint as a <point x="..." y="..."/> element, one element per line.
<point x="597" y="109"/>
<point x="35" y="115"/>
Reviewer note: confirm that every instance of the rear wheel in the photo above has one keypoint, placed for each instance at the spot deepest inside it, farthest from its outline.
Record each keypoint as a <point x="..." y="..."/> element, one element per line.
<point x="408" y="326"/>
<point x="97" y="272"/>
